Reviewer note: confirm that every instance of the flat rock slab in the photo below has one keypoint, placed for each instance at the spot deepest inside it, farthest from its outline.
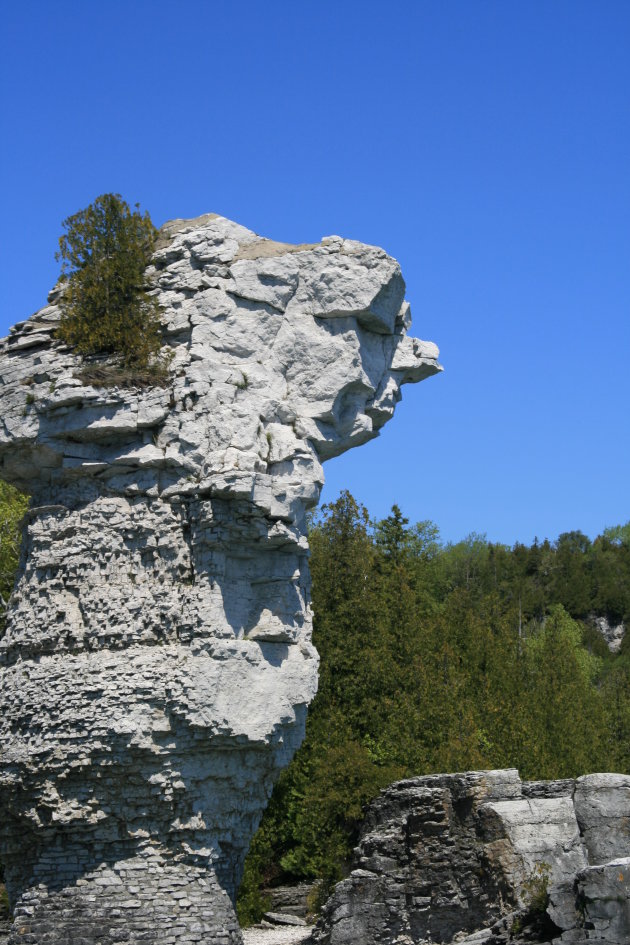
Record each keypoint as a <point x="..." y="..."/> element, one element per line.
<point x="282" y="935"/>
<point x="283" y="918"/>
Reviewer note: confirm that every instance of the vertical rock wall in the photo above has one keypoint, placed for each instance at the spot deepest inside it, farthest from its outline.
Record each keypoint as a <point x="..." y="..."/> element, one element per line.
<point x="455" y="858"/>
<point x="157" y="664"/>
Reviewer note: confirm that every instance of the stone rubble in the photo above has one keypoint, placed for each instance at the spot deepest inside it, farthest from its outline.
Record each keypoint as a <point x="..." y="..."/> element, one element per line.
<point x="451" y="859"/>
<point x="157" y="663"/>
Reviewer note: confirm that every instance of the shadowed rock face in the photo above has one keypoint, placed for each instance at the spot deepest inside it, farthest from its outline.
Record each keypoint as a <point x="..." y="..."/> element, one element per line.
<point x="157" y="663"/>
<point x="455" y="858"/>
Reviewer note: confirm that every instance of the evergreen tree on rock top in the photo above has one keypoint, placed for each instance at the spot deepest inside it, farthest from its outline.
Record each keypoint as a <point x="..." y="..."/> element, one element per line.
<point x="106" y="308"/>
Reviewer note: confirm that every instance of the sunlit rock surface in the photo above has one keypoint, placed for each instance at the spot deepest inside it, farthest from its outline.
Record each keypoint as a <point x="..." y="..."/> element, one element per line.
<point x="157" y="663"/>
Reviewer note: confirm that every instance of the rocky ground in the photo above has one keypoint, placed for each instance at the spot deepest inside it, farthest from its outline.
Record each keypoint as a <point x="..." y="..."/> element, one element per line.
<point x="288" y="935"/>
<point x="255" y="936"/>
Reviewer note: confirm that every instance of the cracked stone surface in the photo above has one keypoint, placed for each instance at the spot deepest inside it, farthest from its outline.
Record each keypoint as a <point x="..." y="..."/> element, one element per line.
<point x="450" y="858"/>
<point x="157" y="663"/>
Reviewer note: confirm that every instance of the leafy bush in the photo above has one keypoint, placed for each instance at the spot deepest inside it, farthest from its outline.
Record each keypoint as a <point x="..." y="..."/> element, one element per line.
<point x="536" y="888"/>
<point x="252" y="902"/>
<point x="106" y="308"/>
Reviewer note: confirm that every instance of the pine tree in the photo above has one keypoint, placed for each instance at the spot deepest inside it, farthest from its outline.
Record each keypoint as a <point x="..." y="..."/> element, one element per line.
<point x="106" y="308"/>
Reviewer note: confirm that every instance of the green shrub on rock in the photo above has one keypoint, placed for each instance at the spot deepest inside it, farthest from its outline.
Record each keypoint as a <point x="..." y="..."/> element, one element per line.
<point x="13" y="505"/>
<point x="106" y="308"/>
<point x="536" y="888"/>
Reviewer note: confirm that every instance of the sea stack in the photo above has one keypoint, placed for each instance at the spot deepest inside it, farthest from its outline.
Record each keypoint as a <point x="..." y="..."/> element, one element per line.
<point x="157" y="663"/>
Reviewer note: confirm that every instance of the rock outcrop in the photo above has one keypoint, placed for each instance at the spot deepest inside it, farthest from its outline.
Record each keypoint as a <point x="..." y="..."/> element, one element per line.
<point x="293" y="900"/>
<point x="482" y="857"/>
<point x="612" y="633"/>
<point x="157" y="663"/>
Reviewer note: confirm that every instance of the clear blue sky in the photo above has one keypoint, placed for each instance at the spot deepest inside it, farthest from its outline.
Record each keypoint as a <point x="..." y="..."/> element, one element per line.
<point x="485" y="144"/>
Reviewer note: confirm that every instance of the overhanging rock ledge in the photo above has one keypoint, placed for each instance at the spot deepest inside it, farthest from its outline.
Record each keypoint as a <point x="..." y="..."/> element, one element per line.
<point x="157" y="664"/>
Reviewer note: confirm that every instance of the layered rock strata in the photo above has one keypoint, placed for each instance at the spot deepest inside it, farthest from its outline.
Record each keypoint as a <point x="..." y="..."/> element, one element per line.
<point x="157" y="663"/>
<point x="486" y="854"/>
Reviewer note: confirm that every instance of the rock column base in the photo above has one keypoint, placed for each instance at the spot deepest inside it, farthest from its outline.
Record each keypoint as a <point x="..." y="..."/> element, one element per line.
<point x="143" y="900"/>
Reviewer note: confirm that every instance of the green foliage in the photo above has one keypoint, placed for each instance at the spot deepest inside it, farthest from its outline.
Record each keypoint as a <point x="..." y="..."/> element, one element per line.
<point x="615" y="687"/>
<point x="13" y="505"/>
<point x="12" y="508"/>
<point x="433" y="658"/>
<point x="334" y="781"/>
<point x="561" y="681"/>
<point x="618" y="534"/>
<point x="442" y="658"/>
<point x="536" y="888"/>
<point x="252" y="902"/>
<point x="106" y="308"/>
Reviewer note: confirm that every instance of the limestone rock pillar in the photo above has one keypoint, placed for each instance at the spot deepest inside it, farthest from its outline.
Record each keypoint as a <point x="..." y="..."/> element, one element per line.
<point x="157" y="663"/>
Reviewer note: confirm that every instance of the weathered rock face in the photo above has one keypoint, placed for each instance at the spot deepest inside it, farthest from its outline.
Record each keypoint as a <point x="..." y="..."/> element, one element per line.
<point x="157" y="663"/>
<point x="292" y="900"/>
<point x="612" y="633"/>
<point x="445" y="855"/>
